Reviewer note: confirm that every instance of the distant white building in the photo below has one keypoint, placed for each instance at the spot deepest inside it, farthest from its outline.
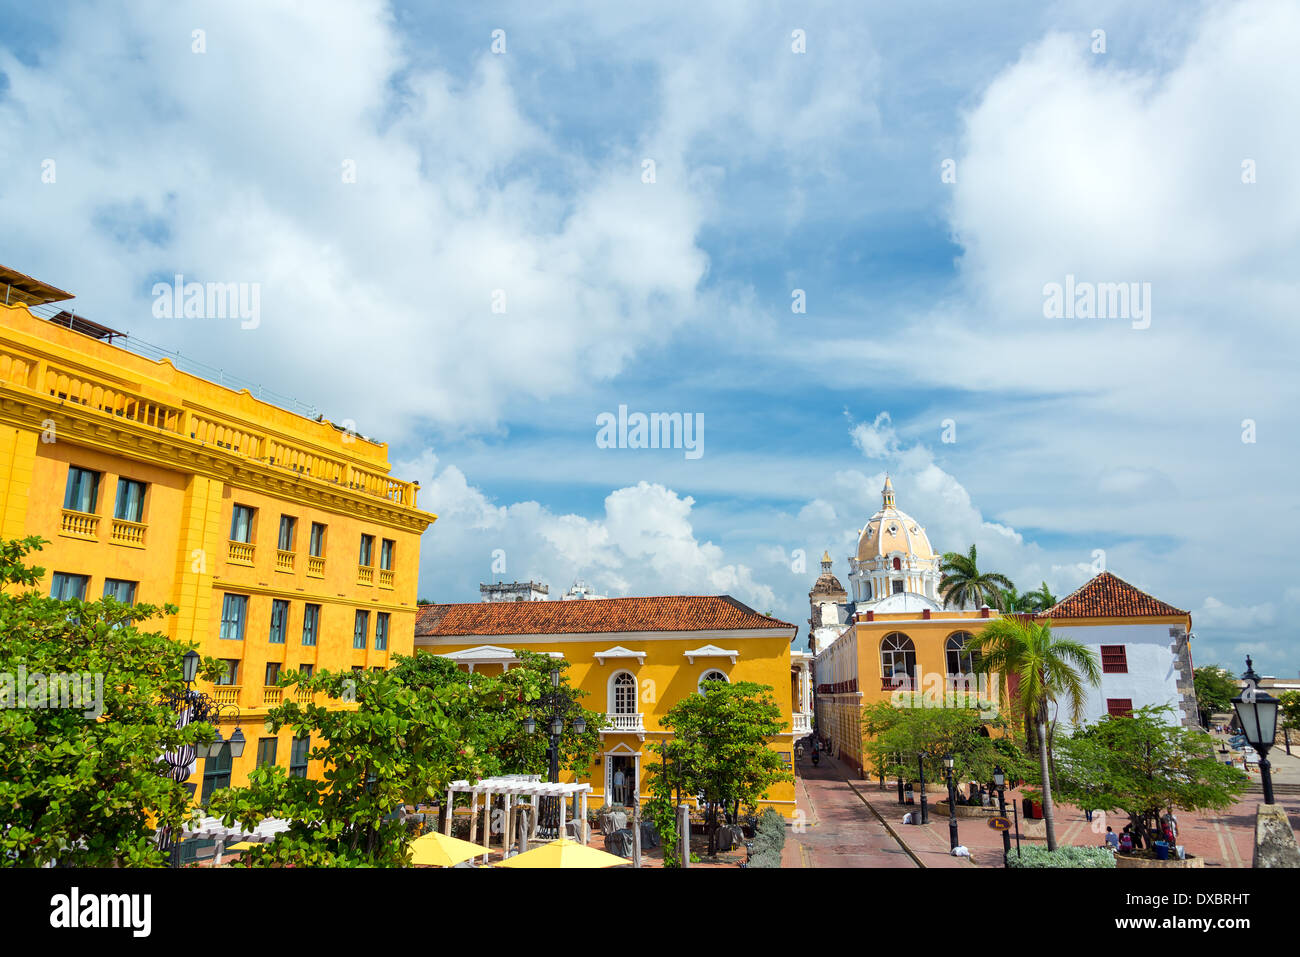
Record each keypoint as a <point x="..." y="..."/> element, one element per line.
<point x="514" y="591"/>
<point x="579" y="591"/>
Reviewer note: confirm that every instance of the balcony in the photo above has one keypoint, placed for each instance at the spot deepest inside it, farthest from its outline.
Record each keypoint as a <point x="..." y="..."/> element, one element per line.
<point x="226" y="694"/>
<point x="365" y="575"/>
<point x="801" y="723"/>
<point x="302" y="696"/>
<point x="315" y="566"/>
<point x="80" y="524"/>
<point x="624" y="724"/>
<point x="272" y="696"/>
<point x="385" y="578"/>
<point x="128" y="533"/>
<point x="284" y="560"/>
<point x="901" y="683"/>
<point x="241" y="553"/>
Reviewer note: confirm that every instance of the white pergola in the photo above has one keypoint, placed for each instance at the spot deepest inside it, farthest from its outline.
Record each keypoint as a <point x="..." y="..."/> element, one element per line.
<point x="213" y="828"/>
<point x="515" y="788"/>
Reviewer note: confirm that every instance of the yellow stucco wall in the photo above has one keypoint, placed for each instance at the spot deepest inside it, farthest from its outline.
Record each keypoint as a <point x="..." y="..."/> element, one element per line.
<point x="67" y="399"/>
<point x="664" y="679"/>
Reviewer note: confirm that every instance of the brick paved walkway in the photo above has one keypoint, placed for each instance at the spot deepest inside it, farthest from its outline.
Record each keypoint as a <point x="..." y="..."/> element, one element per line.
<point x="838" y="828"/>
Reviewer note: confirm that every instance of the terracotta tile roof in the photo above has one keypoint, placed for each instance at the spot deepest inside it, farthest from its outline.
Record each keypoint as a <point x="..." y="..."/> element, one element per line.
<point x="658" y="613"/>
<point x="1107" y="596"/>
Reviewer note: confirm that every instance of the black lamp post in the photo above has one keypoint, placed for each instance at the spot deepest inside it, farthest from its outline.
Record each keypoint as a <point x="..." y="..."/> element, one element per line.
<point x="560" y="704"/>
<point x="952" y="803"/>
<point x="1000" y="782"/>
<point x="1257" y="714"/>
<point x="900" y="780"/>
<point x="925" y="808"/>
<point x="194" y="707"/>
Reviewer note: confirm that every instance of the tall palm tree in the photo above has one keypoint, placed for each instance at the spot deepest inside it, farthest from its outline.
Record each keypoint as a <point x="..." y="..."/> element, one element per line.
<point x="1013" y="601"/>
<point x="1049" y="670"/>
<point x="962" y="581"/>
<point x="1040" y="599"/>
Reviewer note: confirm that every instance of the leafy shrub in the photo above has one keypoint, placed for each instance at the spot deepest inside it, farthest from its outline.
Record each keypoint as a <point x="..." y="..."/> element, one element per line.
<point x="766" y="859"/>
<point x="1034" y="856"/>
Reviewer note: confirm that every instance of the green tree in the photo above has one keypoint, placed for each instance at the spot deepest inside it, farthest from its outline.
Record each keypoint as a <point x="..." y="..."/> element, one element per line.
<point x="1040" y="599"/>
<point x="81" y="785"/>
<point x="895" y="737"/>
<point x="1289" y="708"/>
<point x="963" y="582"/>
<point x="1013" y="602"/>
<point x="1215" y="689"/>
<point x="384" y="744"/>
<point x="1143" y="765"/>
<point x="1049" y="670"/>
<point x="719" y="749"/>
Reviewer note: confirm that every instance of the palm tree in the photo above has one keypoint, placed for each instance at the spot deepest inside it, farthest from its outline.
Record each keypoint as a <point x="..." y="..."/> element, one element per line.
<point x="1013" y="602"/>
<point x="962" y="582"/>
<point x="1040" y="599"/>
<point x="1049" y="670"/>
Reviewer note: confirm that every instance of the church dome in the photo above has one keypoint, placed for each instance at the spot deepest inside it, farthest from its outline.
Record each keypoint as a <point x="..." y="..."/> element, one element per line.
<point x="891" y="530"/>
<point x="827" y="584"/>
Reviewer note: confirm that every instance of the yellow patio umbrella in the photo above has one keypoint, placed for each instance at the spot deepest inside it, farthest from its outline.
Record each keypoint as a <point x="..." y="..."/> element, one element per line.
<point x="565" y="853"/>
<point x="439" y="850"/>
<point x="243" y="845"/>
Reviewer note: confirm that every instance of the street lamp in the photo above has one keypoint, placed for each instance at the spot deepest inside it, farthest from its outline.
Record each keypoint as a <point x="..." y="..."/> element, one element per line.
<point x="560" y="704"/>
<point x="925" y="808"/>
<point x="1257" y="714"/>
<point x="952" y="803"/>
<point x="1000" y="783"/>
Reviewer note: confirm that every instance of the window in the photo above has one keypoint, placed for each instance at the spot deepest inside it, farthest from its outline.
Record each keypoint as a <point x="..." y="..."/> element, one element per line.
<point x="316" y="543"/>
<point x="310" y="623"/>
<point x="360" y="629"/>
<point x="241" y="524"/>
<point x="713" y="674"/>
<point x="123" y="591"/>
<point x="230" y="675"/>
<point x="358" y="669"/>
<point x="216" y="773"/>
<point x="624" y="688"/>
<point x="298" y="752"/>
<point x="960" y="662"/>
<point x="1114" y="660"/>
<point x="381" y="631"/>
<point x="266" y="752"/>
<point x="897" y="587"/>
<point x="898" y="564"/>
<point x="1119" y="707"/>
<point x="897" y="657"/>
<point x="288" y="525"/>
<point x="279" y="621"/>
<point x="367" y="550"/>
<point x="82" y="491"/>
<point x="234" y="614"/>
<point x="386" y="549"/>
<point x="129" y="504"/>
<point x="272" y="673"/>
<point x="306" y="670"/>
<point x="66" y="587"/>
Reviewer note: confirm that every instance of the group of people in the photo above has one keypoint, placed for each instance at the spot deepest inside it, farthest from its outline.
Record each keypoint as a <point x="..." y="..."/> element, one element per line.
<point x="1123" y="841"/>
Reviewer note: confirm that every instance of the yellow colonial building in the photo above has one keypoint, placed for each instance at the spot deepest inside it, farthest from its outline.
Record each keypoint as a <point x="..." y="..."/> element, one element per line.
<point x="635" y="658"/>
<point x="892" y="636"/>
<point x="282" y="539"/>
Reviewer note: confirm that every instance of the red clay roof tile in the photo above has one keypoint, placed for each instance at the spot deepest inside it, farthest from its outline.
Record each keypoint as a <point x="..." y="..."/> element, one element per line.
<point x="1108" y="596"/>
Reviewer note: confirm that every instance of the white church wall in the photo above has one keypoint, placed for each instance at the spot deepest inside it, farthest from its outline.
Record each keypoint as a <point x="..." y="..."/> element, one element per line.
<point x="1152" y="674"/>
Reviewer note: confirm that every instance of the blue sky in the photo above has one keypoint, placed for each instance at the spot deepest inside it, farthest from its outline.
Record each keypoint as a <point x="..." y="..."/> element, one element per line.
<point x="521" y="172"/>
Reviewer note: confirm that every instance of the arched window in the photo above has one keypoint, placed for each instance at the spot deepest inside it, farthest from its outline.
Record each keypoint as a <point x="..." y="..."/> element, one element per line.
<point x="623" y="693"/>
<point x="960" y="662"/>
<point x="713" y="674"/>
<point x="898" y="564"/>
<point x="897" y="656"/>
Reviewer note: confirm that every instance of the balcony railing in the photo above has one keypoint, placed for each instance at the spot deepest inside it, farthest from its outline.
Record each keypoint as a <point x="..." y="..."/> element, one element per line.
<point x="242" y="553"/>
<point x="801" y="723"/>
<point x="226" y="694"/>
<point x="625" y="722"/>
<point x="272" y="695"/>
<point x="894" y="684"/>
<point x="302" y="696"/>
<point x="385" y="578"/>
<point x="365" y="575"/>
<point x="100" y="396"/>
<point x="80" y="524"/>
<point x="315" y="567"/>
<point x="128" y="533"/>
<point x="283" y="560"/>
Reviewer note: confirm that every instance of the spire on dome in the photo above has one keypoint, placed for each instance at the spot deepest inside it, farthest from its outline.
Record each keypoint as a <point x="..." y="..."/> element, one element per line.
<point x="826" y="561"/>
<point x="887" y="493"/>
